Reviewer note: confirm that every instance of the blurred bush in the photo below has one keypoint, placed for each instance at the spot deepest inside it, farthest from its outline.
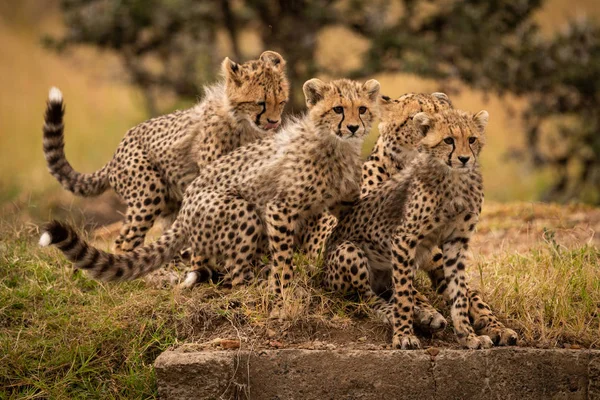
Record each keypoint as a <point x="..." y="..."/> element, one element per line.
<point x="491" y="45"/>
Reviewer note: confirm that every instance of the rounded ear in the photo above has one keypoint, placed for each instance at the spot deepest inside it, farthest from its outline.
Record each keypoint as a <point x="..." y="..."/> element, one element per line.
<point x="372" y="88"/>
<point x="481" y="120"/>
<point x="314" y="91"/>
<point x="423" y="122"/>
<point x="273" y="59"/>
<point x="231" y="70"/>
<point x="442" y="97"/>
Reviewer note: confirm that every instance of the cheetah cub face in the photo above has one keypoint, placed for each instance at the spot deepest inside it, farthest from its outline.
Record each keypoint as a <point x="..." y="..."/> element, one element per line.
<point x="257" y="90"/>
<point x="343" y="108"/>
<point x="453" y="138"/>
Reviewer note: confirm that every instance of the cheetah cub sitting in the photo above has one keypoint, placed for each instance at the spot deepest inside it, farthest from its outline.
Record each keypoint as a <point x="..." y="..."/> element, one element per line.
<point x="435" y="201"/>
<point x="263" y="189"/>
<point x="157" y="159"/>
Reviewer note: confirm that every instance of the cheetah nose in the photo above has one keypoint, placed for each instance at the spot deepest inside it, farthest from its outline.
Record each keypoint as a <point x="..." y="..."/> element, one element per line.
<point x="463" y="159"/>
<point x="352" y="128"/>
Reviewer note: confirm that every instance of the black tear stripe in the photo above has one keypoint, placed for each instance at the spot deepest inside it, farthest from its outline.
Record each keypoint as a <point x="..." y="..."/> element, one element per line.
<point x="257" y="122"/>
<point x="340" y="124"/>
<point x="363" y="123"/>
<point x="450" y="156"/>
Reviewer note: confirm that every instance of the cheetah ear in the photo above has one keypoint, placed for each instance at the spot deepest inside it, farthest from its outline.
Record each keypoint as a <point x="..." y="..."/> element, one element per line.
<point x="314" y="91"/>
<point x="442" y="97"/>
<point x="232" y="71"/>
<point x="481" y="120"/>
<point x="273" y="59"/>
<point x="372" y="88"/>
<point x="423" y="122"/>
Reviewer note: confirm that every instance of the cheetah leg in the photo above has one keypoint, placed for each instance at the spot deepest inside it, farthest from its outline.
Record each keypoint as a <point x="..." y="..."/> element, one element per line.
<point x="347" y="270"/>
<point x="403" y="260"/>
<point x="313" y="236"/>
<point x="483" y="318"/>
<point x="280" y="224"/>
<point x="454" y="257"/>
<point x="143" y="207"/>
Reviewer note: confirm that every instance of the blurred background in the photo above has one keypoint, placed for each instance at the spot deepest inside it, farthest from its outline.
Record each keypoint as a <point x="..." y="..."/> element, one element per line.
<point x="534" y="65"/>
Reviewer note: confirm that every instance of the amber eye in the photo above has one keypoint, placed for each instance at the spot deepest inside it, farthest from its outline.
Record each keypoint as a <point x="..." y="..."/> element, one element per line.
<point x="472" y="139"/>
<point x="449" y="140"/>
<point x="362" y="109"/>
<point x="338" y="109"/>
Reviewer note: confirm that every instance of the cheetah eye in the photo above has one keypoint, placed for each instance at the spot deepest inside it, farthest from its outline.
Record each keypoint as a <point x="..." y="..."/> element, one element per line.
<point x="338" y="109"/>
<point x="362" y="109"/>
<point x="283" y="103"/>
<point x="449" y="140"/>
<point x="472" y="139"/>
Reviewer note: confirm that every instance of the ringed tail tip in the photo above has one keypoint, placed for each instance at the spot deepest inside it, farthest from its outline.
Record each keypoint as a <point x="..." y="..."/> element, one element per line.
<point x="45" y="239"/>
<point x="55" y="95"/>
<point x="54" y="232"/>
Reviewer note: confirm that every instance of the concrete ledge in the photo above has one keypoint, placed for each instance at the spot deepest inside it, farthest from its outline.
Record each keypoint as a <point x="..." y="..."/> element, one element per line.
<point x="503" y="373"/>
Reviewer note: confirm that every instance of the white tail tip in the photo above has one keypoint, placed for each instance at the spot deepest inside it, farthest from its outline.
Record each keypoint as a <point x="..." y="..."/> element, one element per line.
<point x="55" y="95"/>
<point x="45" y="239"/>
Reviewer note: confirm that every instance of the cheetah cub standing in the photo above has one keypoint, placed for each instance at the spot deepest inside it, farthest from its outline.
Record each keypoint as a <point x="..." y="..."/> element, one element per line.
<point x="263" y="189"/>
<point x="435" y="201"/>
<point x="157" y="159"/>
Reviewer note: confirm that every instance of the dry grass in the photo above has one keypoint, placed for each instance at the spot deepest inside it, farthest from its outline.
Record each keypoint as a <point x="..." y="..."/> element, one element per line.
<point x="550" y="295"/>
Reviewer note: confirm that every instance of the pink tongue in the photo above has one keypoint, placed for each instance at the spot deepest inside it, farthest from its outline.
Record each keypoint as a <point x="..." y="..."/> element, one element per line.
<point x="271" y="126"/>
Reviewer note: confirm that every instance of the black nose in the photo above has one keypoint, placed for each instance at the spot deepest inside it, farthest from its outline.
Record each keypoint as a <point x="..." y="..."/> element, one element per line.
<point x="272" y="122"/>
<point x="352" y="128"/>
<point x="463" y="159"/>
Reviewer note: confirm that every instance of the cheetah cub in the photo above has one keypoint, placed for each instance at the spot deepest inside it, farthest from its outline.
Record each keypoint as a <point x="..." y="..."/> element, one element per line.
<point x="265" y="189"/>
<point x="435" y="201"/>
<point x="157" y="159"/>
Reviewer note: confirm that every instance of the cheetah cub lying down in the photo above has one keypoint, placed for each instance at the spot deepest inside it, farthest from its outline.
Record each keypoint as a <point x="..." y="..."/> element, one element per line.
<point x="157" y="159"/>
<point x="435" y="201"/>
<point x="262" y="189"/>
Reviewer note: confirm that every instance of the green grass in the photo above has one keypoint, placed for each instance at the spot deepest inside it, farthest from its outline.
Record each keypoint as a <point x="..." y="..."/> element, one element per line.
<point x="65" y="336"/>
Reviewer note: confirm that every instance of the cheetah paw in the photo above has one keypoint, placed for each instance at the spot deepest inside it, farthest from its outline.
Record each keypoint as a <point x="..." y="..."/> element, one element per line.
<point x="503" y="336"/>
<point x="406" y="342"/>
<point x="430" y="321"/>
<point x="477" y="342"/>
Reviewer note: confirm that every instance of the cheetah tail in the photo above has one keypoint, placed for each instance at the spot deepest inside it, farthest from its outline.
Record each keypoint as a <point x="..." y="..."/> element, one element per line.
<point x="113" y="267"/>
<point x="54" y="150"/>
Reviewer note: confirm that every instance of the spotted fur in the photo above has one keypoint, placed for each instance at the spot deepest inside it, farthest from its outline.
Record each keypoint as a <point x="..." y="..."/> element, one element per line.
<point x="262" y="190"/>
<point x="435" y="201"/>
<point x="396" y="147"/>
<point x="157" y="159"/>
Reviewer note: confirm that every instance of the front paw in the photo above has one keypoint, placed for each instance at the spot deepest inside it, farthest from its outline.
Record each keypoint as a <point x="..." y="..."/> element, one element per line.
<point x="476" y="342"/>
<point x="502" y="336"/>
<point x="406" y="342"/>
<point x="430" y="320"/>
